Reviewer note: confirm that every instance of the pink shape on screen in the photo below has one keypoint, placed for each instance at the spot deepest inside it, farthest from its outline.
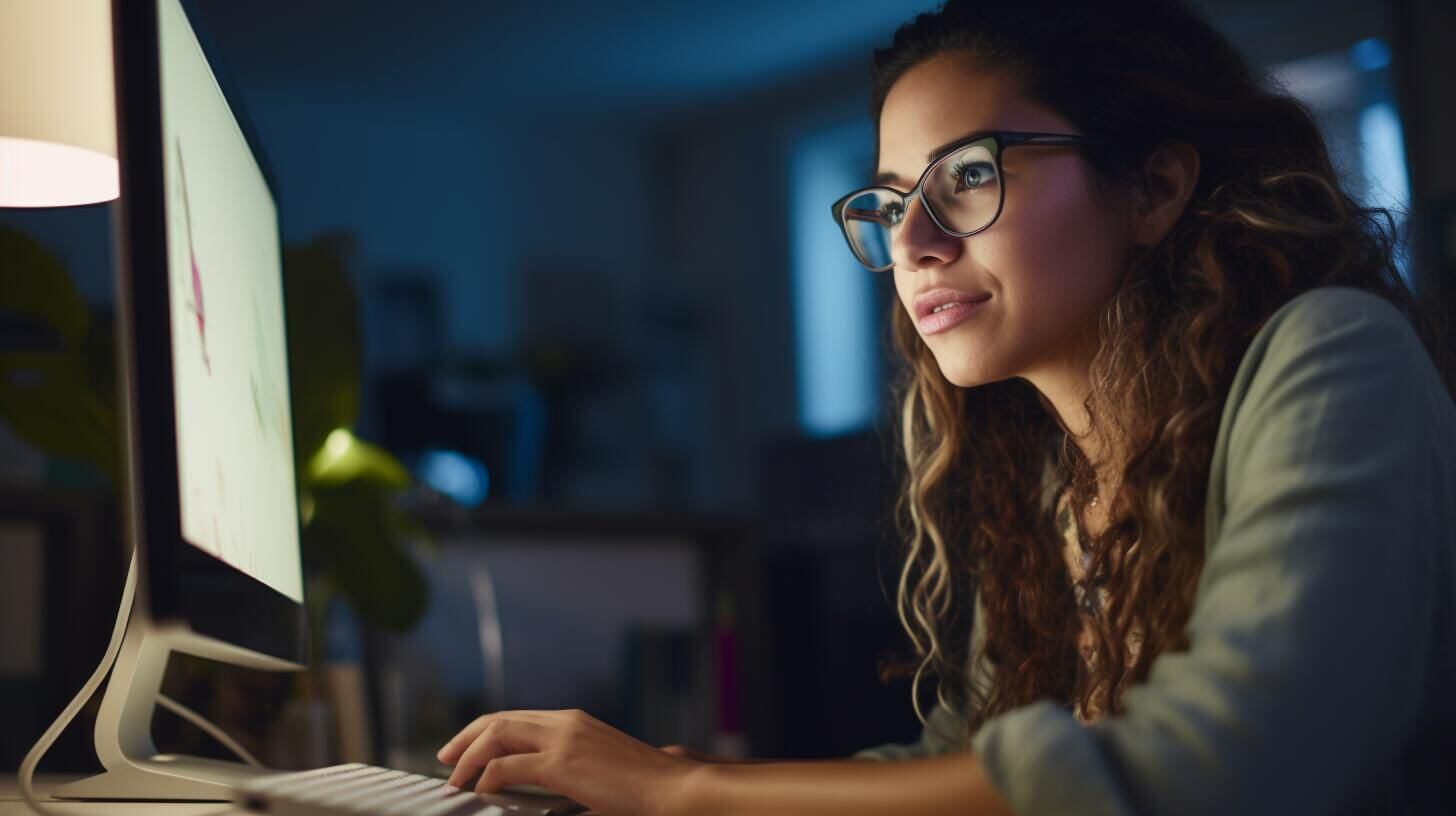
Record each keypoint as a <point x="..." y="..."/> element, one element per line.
<point x="192" y="254"/>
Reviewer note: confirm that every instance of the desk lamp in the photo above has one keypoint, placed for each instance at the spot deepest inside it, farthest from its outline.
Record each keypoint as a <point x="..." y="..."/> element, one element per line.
<point x="57" y="104"/>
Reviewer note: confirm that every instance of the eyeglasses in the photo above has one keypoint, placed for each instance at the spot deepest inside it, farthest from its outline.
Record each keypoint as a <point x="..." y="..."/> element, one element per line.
<point x="962" y="191"/>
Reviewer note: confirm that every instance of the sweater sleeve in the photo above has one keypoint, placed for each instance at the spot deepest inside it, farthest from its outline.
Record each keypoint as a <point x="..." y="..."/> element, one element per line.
<point x="1310" y="635"/>
<point x="940" y="735"/>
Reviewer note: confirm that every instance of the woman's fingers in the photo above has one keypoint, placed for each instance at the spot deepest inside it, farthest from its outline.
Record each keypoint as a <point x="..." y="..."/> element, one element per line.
<point x="458" y="743"/>
<point x="512" y="769"/>
<point x="569" y="752"/>
<point x="499" y="737"/>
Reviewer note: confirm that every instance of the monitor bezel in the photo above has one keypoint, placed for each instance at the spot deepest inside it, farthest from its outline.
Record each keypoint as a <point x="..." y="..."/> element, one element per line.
<point x="181" y="583"/>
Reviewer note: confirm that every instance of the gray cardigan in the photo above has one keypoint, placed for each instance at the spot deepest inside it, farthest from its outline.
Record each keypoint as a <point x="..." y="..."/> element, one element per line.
<point x="1321" y="672"/>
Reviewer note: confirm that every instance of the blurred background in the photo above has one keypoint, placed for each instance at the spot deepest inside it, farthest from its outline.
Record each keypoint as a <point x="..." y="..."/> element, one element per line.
<point x="570" y="266"/>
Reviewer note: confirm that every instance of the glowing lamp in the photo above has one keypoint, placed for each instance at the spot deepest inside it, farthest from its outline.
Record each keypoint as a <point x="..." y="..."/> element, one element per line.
<point x="57" y="104"/>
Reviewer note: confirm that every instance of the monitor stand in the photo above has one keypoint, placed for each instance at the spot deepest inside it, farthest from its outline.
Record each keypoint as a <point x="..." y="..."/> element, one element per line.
<point x="134" y="769"/>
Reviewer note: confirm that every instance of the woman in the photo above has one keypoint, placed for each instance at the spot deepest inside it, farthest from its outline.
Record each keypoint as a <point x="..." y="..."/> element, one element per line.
<point x="1180" y="453"/>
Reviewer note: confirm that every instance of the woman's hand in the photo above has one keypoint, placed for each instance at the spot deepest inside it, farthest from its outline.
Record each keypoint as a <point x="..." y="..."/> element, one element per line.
<point x="574" y="755"/>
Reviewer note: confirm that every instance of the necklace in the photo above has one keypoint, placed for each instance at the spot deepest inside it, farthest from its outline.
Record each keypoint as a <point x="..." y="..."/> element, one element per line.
<point x="1092" y="503"/>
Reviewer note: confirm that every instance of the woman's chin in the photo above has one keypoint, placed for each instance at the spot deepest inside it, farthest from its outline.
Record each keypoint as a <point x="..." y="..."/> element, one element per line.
<point x="963" y="376"/>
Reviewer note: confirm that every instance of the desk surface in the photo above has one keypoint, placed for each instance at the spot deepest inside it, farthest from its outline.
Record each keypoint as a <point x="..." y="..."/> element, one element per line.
<point x="12" y="805"/>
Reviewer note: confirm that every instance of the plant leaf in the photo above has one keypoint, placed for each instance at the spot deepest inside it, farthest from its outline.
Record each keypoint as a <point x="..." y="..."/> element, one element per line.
<point x="324" y="356"/>
<point x="355" y="537"/>
<point x="345" y="458"/>
<point x="45" y="397"/>
<point x="34" y="284"/>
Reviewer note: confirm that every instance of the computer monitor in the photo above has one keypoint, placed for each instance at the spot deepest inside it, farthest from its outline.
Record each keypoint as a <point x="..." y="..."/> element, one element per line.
<point x="211" y="494"/>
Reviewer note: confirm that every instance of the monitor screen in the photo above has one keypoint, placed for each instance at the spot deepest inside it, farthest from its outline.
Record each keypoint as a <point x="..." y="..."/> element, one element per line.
<point x="229" y="359"/>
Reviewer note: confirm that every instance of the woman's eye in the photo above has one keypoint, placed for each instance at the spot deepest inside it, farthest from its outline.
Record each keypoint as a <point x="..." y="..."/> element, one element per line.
<point x="892" y="213"/>
<point x="971" y="176"/>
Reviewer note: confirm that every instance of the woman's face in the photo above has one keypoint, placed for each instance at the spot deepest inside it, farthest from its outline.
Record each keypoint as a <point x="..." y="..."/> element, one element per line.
<point x="1049" y="262"/>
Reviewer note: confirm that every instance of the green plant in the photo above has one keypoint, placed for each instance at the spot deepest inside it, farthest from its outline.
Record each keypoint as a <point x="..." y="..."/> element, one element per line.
<point x="58" y="392"/>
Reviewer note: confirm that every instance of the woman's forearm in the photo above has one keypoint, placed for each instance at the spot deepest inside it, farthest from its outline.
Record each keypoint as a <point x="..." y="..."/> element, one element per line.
<point x="951" y="784"/>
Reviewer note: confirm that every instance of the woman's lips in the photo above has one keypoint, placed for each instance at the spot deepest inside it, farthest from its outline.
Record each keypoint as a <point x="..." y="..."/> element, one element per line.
<point x="950" y="316"/>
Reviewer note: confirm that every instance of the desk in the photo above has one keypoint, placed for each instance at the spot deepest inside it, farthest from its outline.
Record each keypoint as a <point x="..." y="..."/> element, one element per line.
<point x="12" y="805"/>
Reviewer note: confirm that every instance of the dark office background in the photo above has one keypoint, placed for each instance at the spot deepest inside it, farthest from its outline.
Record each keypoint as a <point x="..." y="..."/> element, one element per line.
<point x="605" y="319"/>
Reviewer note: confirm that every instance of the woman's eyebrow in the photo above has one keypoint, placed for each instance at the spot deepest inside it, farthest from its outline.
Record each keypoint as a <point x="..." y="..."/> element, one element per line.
<point x="887" y="176"/>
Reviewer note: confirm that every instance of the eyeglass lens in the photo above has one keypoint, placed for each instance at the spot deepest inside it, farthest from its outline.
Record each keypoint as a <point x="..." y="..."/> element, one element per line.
<point x="963" y="190"/>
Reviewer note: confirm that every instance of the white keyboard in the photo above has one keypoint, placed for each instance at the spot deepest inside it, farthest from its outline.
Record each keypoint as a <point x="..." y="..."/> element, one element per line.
<point x="367" y="790"/>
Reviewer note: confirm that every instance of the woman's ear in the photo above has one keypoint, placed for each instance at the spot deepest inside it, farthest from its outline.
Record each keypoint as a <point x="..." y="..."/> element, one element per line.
<point x="1169" y="176"/>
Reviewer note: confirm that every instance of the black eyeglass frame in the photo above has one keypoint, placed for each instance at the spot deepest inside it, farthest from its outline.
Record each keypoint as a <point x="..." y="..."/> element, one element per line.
<point x="998" y="141"/>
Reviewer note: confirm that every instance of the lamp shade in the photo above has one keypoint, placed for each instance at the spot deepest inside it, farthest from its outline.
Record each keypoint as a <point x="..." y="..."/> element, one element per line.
<point x="57" y="104"/>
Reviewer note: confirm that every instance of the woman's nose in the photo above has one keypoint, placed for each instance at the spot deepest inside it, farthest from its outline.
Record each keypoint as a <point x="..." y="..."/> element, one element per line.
<point x="919" y="243"/>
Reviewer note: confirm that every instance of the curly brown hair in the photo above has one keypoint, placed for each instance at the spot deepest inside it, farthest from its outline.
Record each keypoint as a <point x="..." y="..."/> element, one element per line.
<point x="1268" y="219"/>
